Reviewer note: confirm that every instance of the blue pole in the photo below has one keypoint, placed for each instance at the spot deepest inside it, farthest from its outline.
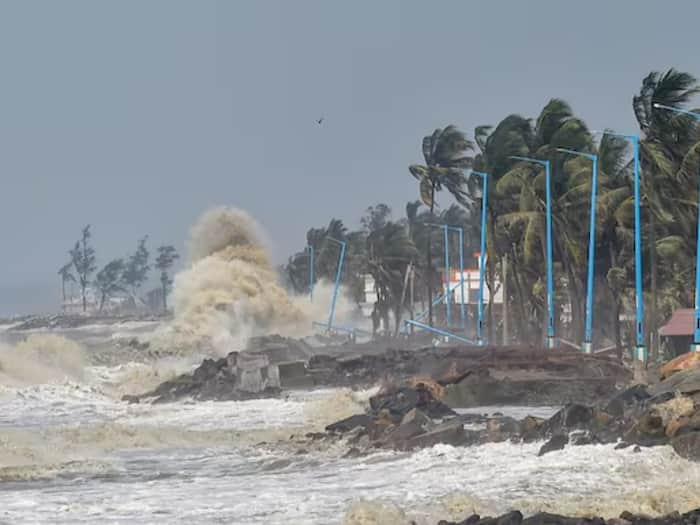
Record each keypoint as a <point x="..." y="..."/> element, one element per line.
<point x="550" y="280"/>
<point x="588" y="333"/>
<point x="447" y="277"/>
<point x="462" y="312"/>
<point x="482" y="260"/>
<point x="696" y="333"/>
<point x="548" y="227"/>
<point x="337" y="281"/>
<point x="641" y="353"/>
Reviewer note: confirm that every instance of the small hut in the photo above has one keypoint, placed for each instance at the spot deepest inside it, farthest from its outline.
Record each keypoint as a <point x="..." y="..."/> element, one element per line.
<point x="678" y="332"/>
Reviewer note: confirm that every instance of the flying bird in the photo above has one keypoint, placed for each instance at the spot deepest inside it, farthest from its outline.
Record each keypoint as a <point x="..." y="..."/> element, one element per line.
<point x="320" y="121"/>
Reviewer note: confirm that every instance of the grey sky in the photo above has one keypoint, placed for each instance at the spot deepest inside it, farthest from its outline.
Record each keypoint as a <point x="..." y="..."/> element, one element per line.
<point x="135" y="116"/>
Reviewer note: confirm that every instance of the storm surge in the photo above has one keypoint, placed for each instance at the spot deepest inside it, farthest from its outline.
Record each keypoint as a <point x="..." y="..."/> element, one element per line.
<point x="229" y="290"/>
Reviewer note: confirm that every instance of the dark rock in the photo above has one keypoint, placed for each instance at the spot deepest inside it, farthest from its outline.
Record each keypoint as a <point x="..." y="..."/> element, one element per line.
<point x="637" y="449"/>
<point x="399" y="401"/>
<point x="633" y="396"/>
<point x="687" y="445"/>
<point x="545" y="518"/>
<point x="450" y="433"/>
<point x="557" y="442"/>
<point x="237" y="377"/>
<point x="350" y="423"/>
<point x="131" y="399"/>
<point x="648" y="430"/>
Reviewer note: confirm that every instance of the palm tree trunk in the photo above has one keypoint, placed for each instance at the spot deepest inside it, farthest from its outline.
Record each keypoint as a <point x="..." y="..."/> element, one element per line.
<point x="617" y="325"/>
<point x="82" y="287"/>
<point x="654" y="288"/>
<point x="63" y="289"/>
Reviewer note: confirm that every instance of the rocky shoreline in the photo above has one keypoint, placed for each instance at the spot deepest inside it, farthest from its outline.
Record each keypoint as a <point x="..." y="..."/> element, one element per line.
<point x="467" y="376"/>
<point x="626" y="518"/>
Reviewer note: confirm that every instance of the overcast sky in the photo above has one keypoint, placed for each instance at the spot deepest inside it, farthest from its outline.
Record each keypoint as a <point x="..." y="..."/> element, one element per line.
<point x="135" y="116"/>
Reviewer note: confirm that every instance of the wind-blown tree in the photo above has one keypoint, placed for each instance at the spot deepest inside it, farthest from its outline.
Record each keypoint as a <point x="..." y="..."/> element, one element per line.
<point x="167" y="255"/>
<point x="137" y="267"/>
<point x="376" y="217"/>
<point x="109" y="280"/>
<point x="516" y="200"/>
<point x="666" y="138"/>
<point x="389" y="252"/>
<point x="83" y="259"/>
<point x="445" y="154"/>
<point x="66" y="277"/>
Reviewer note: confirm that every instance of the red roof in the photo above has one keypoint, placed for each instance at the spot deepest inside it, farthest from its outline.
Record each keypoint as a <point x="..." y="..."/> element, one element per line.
<point x="681" y="323"/>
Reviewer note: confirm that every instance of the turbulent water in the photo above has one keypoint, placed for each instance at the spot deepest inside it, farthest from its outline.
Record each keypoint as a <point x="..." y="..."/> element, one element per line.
<point x="72" y="452"/>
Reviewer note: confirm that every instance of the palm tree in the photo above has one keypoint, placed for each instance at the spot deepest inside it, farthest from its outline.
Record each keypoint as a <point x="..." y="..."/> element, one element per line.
<point x="445" y="161"/>
<point x="389" y="252"/>
<point x="666" y="137"/>
<point x="66" y="277"/>
<point x="516" y="205"/>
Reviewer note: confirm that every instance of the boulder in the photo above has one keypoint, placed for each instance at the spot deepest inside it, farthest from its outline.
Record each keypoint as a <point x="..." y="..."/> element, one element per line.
<point x="630" y="398"/>
<point x="450" y="432"/>
<point x="686" y="382"/>
<point x="648" y="430"/>
<point x="350" y="423"/>
<point x="293" y="374"/>
<point x="682" y="362"/>
<point x="687" y="445"/>
<point x="557" y="442"/>
<point x="399" y="401"/>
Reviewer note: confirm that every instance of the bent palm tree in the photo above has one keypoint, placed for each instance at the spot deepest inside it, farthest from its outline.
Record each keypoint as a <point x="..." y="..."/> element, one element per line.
<point x="445" y="161"/>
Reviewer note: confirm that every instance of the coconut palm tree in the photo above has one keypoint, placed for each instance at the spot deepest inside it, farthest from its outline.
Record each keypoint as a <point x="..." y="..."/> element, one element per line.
<point x="445" y="154"/>
<point x="666" y="137"/>
<point x="389" y="252"/>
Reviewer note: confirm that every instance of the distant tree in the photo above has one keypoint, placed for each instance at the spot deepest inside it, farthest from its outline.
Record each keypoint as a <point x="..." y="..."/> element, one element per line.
<point x="83" y="260"/>
<point x="376" y="217"/>
<point x="136" y="267"/>
<point x="166" y="257"/>
<point x="66" y="277"/>
<point x="109" y="280"/>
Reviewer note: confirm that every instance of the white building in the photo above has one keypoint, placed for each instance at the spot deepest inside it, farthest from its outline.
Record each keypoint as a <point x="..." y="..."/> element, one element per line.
<point x="471" y="287"/>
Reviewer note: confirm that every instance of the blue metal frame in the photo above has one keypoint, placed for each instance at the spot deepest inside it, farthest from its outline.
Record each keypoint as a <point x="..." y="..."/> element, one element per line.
<point x="696" y="329"/>
<point x="438" y="331"/>
<point x="482" y="254"/>
<point x="460" y="231"/>
<point x="640" y="349"/>
<point x="588" y="333"/>
<point x="460" y="236"/>
<point x="339" y="271"/>
<point x="548" y="226"/>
